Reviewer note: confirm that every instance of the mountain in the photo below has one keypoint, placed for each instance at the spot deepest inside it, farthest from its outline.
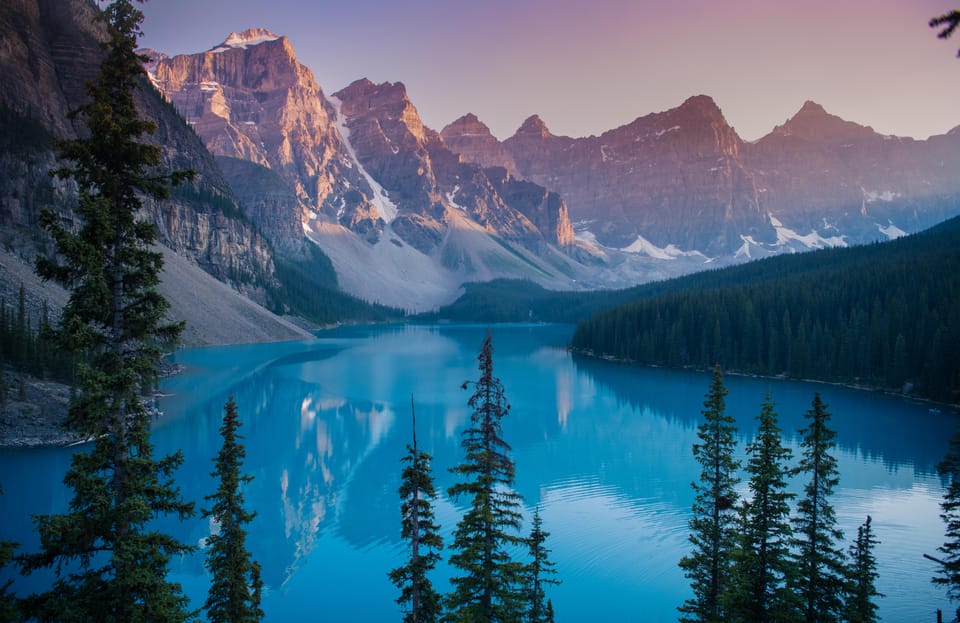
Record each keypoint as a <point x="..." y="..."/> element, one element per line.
<point x="303" y="196"/>
<point x="682" y="181"/>
<point x="818" y="172"/>
<point x="249" y="99"/>
<point x="668" y="178"/>
<point x="50" y="51"/>
<point x="403" y="219"/>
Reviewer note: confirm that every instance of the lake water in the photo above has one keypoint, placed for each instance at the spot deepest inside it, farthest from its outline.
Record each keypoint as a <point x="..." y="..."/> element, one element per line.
<point x="604" y="449"/>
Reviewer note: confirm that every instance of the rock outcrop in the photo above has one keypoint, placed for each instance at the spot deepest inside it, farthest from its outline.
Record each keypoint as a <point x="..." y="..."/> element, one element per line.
<point x="471" y="138"/>
<point x="673" y="178"/>
<point x="250" y="99"/>
<point x="50" y="51"/>
<point x="424" y="179"/>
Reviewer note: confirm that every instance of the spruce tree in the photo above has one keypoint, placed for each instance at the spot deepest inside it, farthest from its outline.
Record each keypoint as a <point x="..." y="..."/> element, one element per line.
<point x="9" y="607"/>
<point x="235" y="589"/>
<point x="540" y="572"/>
<point x="490" y="587"/>
<point x="712" y="525"/>
<point x="948" y="574"/>
<point x="862" y="592"/>
<point x="819" y="581"/>
<point x="419" y="528"/>
<point x="110" y="563"/>
<point x="761" y="558"/>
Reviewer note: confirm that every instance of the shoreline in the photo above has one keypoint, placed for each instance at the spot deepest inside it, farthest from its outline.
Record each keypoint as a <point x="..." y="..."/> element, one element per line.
<point x="944" y="407"/>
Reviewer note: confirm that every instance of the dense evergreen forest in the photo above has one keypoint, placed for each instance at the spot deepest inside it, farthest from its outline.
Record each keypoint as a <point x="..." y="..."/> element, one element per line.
<point x="309" y="289"/>
<point x="27" y="344"/>
<point x="885" y="315"/>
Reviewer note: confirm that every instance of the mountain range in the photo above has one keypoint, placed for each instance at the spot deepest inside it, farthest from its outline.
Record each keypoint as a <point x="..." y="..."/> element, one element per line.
<point x="406" y="215"/>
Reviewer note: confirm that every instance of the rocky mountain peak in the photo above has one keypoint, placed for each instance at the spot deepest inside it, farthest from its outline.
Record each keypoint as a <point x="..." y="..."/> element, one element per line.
<point x="813" y="122"/>
<point x="388" y="102"/>
<point x="467" y="125"/>
<point x="247" y="38"/>
<point x="533" y="126"/>
<point x="810" y="107"/>
<point x="472" y="140"/>
<point x="701" y="104"/>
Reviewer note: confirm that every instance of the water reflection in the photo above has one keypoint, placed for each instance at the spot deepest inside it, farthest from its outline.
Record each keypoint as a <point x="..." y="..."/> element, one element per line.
<point x="603" y="448"/>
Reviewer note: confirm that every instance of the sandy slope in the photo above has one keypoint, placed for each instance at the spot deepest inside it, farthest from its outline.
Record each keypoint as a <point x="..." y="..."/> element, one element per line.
<point x="215" y="313"/>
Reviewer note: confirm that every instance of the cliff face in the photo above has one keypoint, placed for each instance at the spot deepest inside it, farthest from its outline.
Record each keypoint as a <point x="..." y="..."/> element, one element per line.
<point x="51" y="52"/>
<point x="250" y="99"/>
<point x="424" y="179"/>
<point x="673" y="178"/>
<point x="684" y="178"/>
<point x="471" y="138"/>
<point x="818" y="166"/>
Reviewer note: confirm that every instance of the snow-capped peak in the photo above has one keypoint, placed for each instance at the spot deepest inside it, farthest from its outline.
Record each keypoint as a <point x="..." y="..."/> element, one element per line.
<point x="243" y="40"/>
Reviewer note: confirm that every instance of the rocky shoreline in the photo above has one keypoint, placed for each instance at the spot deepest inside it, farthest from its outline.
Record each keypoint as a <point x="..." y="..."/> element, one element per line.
<point x="33" y="413"/>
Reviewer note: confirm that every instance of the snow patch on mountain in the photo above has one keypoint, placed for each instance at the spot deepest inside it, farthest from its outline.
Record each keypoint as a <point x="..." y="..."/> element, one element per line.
<point x="642" y="246"/>
<point x="744" y="250"/>
<point x="870" y="196"/>
<point x="891" y="231"/>
<point x="380" y="198"/>
<point x="243" y="40"/>
<point x="451" y="199"/>
<point x="813" y="240"/>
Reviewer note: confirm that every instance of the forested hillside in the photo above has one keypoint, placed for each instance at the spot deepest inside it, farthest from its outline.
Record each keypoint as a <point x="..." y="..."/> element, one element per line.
<point x="886" y="315"/>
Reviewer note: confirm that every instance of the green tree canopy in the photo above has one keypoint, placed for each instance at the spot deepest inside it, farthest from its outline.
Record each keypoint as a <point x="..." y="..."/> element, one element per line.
<point x="490" y="587"/>
<point x="235" y="589"/>
<point x="821" y="570"/>
<point x="712" y="527"/>
<point x="418" y="527"/>
<point x="761" y="558"/>
<point x="110" y="562"/>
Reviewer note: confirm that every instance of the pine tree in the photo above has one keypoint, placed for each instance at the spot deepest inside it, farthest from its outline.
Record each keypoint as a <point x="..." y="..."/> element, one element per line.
<point x="949" y="468"/>
<point x="549" y="613"/>
<point x="948" y="22"/>
<point x="490" y="589"/>
<point x="761" y="559"/>
<point x="9" y="608"/>
<point x="419" y="527"/>
<point x="110" y="563"/>
<point x="819" y="582"/>
<point x="860" y="605"/>
<point x="235" y="589"/>
<point x="712" y="525"/>
<point x="540" y="572"/>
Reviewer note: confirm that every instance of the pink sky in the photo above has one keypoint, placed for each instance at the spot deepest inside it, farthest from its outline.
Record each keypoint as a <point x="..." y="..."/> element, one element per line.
<point x="588" y="66"/>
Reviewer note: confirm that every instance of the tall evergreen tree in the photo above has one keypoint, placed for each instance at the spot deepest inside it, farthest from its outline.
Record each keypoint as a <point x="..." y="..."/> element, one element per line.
<point x="861" y="606"/>
<point x="761" y="558"/>
<point x="9" y="608"/>
<point x="110" y="563"/>
<point x="420" y="529"/>
<point x="234" y="595"/>
<point x="712" y="525"/>
<point x="819" y="582"/>
<point x="490" y="589"/>
<point x="540" y="572"/>
<point x="948" y="574"/>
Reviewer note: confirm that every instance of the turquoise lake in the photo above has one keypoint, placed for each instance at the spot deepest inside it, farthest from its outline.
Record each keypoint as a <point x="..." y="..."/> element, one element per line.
<point x="603" y="448"/>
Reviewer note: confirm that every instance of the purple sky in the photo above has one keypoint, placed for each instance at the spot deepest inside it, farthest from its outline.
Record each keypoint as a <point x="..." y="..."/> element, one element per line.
<point x="586" y="66"/>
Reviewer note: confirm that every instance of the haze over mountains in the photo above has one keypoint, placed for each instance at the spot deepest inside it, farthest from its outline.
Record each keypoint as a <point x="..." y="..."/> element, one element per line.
<point x="407" y="214"/>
